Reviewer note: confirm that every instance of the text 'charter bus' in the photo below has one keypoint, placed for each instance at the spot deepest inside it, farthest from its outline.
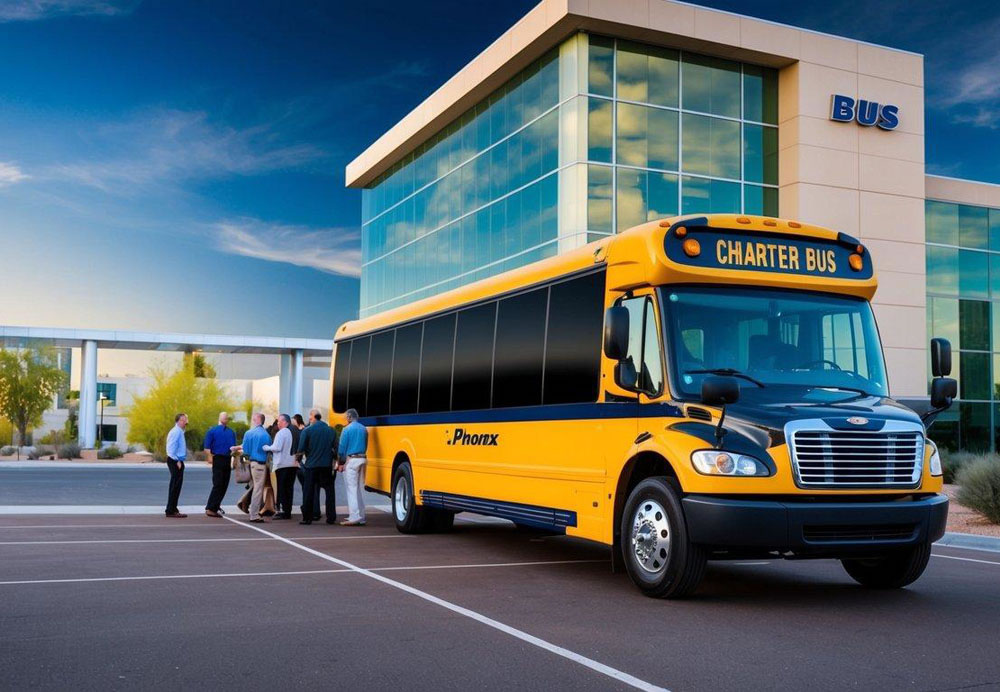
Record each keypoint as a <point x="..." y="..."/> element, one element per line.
<point x="699" y="388"/>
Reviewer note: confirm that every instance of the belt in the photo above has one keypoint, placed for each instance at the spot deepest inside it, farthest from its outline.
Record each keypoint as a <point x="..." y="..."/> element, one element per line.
<point x="355" y="456"/>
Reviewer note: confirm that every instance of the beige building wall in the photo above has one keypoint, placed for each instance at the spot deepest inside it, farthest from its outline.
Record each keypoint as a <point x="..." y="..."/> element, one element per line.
<point x="864" y="181"/>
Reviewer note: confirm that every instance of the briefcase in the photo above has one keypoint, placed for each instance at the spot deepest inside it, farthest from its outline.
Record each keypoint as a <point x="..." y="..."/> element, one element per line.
<point x="241" y="470"/>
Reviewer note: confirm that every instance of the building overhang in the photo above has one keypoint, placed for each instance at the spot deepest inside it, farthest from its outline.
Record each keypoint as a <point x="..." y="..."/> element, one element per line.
<point x="662" y="22"/>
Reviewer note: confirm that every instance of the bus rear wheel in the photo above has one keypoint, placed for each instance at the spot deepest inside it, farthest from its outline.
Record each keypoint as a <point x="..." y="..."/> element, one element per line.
<point x="409" y="517"/>
<point x="890" y="571"/>
<point x="660" y="559"/>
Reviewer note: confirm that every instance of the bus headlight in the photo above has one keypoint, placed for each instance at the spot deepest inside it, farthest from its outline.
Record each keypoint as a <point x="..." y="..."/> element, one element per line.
<point x="935" y="462"/>
<point x="718" y="462"/>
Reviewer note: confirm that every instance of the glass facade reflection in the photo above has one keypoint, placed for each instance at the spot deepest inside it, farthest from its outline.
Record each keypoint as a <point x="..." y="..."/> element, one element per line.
<point x="596" y="136"/>
<point x="963" y="306"/>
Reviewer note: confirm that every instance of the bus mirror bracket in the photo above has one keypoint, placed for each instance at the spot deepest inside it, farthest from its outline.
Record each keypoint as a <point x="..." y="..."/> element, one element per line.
<point x="720" y="391"/>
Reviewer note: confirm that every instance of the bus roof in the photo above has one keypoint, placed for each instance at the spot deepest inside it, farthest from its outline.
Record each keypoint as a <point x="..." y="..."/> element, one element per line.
<point x="733" y="249"/>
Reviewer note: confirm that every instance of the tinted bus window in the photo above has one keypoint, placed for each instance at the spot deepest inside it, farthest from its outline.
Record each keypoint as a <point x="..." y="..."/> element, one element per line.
<point x="406" y="369"/>
<point x="573" y="344"/>
<point x="435" y="364"/>
<point x="380" y="373"/>
<point x="473" y="358"/>
<point x="357" y="392"/>
<point x="341" y="371"/>
<point x="520" y="342"/>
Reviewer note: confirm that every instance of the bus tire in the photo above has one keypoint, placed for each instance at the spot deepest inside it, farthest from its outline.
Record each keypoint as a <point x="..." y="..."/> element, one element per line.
<point x="441" y="520"/>
<point x="659" y="557"/>
<point x="408" y="516"/>
<point x="889" y="571"/>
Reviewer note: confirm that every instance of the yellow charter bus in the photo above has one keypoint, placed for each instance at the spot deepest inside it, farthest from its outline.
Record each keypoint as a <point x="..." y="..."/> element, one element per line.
<point x="703" y="387"/>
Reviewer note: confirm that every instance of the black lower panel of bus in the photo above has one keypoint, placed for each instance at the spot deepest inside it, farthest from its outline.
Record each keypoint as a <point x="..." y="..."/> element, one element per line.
<point x="548" y="518"/>
<point x="814" y="529"/>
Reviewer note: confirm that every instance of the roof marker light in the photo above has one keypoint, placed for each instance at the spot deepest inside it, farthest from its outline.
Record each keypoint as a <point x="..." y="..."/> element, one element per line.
<point x="860" y="249"/>
<point x="770" y="222"/>
<point x="681" y="231"/>
<point x="664" y="224"/>
<point x="856" y="262"/>
<point x="692" y="248"/>
<point x="742" y="219"/>
<point x="794" y="224"/>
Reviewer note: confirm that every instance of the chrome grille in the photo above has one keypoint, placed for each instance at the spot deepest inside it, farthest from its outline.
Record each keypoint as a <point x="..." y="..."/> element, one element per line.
<point x="890" y="457"/>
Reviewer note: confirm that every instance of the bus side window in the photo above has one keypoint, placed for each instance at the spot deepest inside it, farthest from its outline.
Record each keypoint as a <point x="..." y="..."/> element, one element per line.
<point x="357" y="385"/>
<point x="341" y="371"/>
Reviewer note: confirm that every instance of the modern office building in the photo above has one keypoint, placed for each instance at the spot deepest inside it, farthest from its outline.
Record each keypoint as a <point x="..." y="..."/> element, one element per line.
<point x="588" y="117"/>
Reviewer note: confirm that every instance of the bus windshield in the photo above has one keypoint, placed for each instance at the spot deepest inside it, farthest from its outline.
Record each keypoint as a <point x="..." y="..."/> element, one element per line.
<point x="771" y="338"/>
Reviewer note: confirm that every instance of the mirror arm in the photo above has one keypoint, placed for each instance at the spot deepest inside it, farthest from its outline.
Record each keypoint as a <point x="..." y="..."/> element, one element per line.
<point x="720" y="432"/>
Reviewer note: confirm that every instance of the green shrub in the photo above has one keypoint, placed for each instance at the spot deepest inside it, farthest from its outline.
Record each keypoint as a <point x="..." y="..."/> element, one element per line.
<point x="7" y="451"/>
<point x="979" y="487"/>
<point x="239" y="428"/>
<point x="54" y="437"/>
<point x="111" y="452"/>
<point x="69" y="451"/>
<point x="951" y="462"/>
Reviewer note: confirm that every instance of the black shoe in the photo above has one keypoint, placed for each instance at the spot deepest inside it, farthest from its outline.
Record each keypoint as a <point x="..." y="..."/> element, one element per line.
<point x="220" y="510"/>
<point x="317" y="517"/>
<point x="331" y="521"/>
<point x="276" y="517"/>
<point x="305" y="522"/>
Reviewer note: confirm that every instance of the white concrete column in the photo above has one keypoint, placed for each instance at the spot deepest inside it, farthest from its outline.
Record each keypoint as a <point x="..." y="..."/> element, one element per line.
<point x="295" y="390"/>
<point x="285" y="384"/>
<point x="88" y="395"/>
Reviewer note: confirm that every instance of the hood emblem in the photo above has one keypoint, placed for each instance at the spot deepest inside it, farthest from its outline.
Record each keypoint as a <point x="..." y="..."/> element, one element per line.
<point x="857" y="420"/>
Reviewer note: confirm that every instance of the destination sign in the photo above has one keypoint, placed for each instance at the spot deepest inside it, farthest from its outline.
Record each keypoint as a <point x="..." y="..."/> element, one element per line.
<point x="767" y="252"/>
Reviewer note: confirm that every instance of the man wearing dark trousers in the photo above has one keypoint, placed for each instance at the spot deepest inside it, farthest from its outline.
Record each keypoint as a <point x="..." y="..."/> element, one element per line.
<point x="318" y="443"/>
<point x="176" y="454"/>
<point x="297" y="426"/>
<point x="219" y="444"/>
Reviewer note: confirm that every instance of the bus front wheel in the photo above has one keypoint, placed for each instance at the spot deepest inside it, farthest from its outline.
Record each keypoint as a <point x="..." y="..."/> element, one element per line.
<point x="659" y="558"/>
<point x="892" y="571"/>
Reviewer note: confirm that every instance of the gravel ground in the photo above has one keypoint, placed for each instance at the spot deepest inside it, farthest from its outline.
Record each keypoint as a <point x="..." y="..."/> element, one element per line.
<point x="963" y="520"/>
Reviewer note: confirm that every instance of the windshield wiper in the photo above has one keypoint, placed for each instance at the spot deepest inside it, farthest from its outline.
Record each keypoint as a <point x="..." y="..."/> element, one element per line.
<point x="840" y="386"/>
<point x="727" y="372"/>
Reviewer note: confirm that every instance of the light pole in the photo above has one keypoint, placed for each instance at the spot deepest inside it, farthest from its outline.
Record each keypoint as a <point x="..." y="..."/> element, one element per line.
<point x="102" y="397"/>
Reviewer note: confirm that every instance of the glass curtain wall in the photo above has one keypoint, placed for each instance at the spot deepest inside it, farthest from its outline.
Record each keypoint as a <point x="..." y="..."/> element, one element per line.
<point x="596" y="136"/>
<point x="963" y="305"/>
<point x="671" y="132"/>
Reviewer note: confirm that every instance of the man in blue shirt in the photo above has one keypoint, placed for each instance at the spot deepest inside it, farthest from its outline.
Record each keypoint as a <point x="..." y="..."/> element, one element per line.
<point x="318" y="443"/>
<point x="219" y="444"/>
<point x="176" y="454"/>
<point x="253" y="447"/>
<point x="353" y="447"/>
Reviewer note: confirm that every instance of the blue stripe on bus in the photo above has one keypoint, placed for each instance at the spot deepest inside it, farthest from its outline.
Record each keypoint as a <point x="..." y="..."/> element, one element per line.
<point x="531" y="413"/>
<point x="528" y="515"/>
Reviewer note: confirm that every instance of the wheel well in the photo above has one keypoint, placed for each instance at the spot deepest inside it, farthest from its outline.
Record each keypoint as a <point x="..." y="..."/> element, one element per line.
<point x="638" y="468"/>
<point x="400" y="458"/>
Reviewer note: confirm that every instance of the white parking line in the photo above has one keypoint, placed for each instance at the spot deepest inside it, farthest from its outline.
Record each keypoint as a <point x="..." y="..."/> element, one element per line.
<point x="78" y="580"/>
<point x="201" y="540"/>
<point x="965" y="559"/>
<point x="596" y="666"/>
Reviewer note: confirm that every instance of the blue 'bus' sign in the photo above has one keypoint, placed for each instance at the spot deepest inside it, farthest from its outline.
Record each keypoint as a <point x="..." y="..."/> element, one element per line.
<point x="845" y="109"/>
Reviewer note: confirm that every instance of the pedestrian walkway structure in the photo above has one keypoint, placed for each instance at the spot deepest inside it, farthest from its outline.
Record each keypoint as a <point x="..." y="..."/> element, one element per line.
<point x="293" y="351"/>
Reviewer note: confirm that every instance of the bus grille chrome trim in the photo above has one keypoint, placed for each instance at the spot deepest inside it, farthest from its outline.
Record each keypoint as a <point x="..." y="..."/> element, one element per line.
<point x="823" y="457"/>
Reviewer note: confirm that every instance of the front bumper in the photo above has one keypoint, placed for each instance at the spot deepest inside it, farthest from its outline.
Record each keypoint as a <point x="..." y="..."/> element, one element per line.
<point x="814" y="529"/>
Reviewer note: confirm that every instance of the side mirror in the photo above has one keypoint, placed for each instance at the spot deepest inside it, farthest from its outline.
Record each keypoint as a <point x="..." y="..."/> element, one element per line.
<point x="940" y="357"/>
<point x="719" y="391"/>
<point x="616" y="332"/>
<point x="943" y="389"/>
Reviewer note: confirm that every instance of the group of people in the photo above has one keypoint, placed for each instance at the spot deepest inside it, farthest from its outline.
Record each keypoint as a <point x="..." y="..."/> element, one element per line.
<point x="311" y="453"/>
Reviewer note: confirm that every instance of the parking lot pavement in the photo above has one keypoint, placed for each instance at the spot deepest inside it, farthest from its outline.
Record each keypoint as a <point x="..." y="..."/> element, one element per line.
<point x="156" y="603"/>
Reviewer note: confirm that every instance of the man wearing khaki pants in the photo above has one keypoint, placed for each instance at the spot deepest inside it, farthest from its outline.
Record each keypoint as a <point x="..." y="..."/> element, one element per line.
<point x="253" y="444"/>
<point x="352" y="450"/>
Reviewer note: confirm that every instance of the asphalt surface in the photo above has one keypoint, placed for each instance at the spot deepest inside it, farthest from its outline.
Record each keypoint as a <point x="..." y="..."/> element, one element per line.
<point x="217" y="604"/>
<point x="22" y="484"/>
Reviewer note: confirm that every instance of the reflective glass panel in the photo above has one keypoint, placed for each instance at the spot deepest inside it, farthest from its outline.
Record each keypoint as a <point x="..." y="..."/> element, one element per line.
<point x="760" y="200"/>
<point x="647" y="74"/>
<point x="760" y="94"/>
<point x="647" y="137"/>
<point x="599" y="198"/>
<point x="760" y="154"/>
<point x="600" y="70"/>
<point x="704" y="196"/>
<point x="644" y="196"/>
<point x="974" y="376"/>
<point x="710" y="85"/>
<point x="974" y="325"/>
<point x="973" y="274"/>
<point x="942" y="222"/>
<point x="711" y="146"/>
<point x="973" y="226"/>
<point x="600" y="117"/>
<point x="975" y="427"/>
<point x="942" y="270"/>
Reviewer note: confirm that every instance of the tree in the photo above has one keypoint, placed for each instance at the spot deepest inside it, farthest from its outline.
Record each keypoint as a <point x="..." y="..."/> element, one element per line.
<point x="202" y="368"/>
<point x="151" y="415"/>
<point x="29" y="378"/>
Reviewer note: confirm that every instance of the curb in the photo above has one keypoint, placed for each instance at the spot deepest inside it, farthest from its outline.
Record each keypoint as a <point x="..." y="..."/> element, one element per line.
<point x="970" y="541"/>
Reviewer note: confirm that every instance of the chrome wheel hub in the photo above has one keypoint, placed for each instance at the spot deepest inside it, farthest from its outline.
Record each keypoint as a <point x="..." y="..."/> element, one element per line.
<point x="401" y="503"/>
<point x="650" y="536"/>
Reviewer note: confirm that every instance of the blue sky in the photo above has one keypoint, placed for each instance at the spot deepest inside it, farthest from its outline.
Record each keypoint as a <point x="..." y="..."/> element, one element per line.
<point x="177" y="165"/>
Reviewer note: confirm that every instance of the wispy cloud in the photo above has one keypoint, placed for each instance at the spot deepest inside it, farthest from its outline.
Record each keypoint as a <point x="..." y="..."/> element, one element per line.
<point x="33" y="10"/>
<point x="966" y="84"/>
<point x="10" y="174"/>
<point x="160" y="147"/>
<point x="332" y="250"/>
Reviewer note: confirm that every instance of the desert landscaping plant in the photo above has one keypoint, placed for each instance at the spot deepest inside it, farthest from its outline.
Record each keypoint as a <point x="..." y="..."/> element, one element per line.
<point x="951" y="462"/>
<point x="69" y="451"/>
<point x="151" y="415"/>
<point x="7" y="450"/>
<point x="111" y="452"/>
<point x="979" y="486"/>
